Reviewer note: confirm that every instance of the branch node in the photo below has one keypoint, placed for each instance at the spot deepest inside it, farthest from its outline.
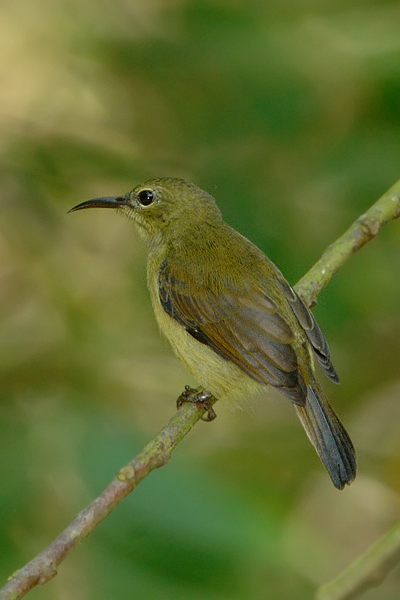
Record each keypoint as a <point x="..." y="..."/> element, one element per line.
<point x="127" y="473"/>
<point x="370" y="226"/>
<point x="162" y="459"/>
<point x="47" y="573"/>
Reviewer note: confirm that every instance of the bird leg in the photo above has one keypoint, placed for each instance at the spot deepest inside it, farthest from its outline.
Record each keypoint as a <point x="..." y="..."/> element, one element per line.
<point x="202" y="399"/>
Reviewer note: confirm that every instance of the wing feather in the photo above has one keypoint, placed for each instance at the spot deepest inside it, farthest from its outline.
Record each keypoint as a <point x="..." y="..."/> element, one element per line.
<point x="313" y="331"/>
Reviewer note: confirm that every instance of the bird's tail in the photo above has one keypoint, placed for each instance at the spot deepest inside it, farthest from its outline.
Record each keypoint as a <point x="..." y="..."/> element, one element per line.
<point x="328" y="436"/>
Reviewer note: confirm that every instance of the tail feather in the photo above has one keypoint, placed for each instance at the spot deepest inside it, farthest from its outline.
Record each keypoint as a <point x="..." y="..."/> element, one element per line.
<point x="328" y="436"/>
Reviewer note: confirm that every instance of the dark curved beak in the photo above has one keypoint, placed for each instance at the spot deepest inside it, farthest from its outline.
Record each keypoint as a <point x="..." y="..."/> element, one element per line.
<point x="106" y="202"/>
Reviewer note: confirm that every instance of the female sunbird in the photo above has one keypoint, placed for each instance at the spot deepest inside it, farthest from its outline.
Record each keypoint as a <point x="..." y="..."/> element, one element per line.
<point x="228" y="312"/>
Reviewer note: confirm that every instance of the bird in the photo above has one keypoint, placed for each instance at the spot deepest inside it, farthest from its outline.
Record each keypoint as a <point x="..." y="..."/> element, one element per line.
<point x="229" y="313"/>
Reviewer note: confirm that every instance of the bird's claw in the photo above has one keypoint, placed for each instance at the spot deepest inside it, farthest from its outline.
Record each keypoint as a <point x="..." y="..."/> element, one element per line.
<point x="201" y="398"/>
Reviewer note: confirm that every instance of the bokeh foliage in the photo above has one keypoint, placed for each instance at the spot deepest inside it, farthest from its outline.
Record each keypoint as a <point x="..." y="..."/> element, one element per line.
<point x="289" y="113"/>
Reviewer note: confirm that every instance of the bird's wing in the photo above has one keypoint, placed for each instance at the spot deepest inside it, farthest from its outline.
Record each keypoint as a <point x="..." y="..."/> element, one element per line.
<point x="242" y="326"/>
<point x="311" y="329"/>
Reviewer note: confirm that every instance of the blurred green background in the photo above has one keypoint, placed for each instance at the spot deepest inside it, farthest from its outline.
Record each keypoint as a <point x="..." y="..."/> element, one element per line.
<point x="289" y="113"/>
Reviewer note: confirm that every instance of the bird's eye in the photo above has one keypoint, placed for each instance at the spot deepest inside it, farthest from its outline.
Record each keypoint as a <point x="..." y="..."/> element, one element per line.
<point x="146" y="197"/>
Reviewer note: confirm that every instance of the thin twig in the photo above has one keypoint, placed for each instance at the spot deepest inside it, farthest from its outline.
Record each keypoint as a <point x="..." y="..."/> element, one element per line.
<point x="365" y="572"/>
<point x="363" y="230"/>
<point x="157" y="453"/>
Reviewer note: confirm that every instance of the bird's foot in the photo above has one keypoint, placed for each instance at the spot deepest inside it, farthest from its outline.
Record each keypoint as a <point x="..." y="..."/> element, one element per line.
<point x="201" y="398"/>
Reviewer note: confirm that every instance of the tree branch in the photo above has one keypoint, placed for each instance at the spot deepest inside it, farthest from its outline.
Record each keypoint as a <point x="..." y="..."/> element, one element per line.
<point x="367" y="571"/>
<point x="363" y="230"/>
<point x="158" y="452"/>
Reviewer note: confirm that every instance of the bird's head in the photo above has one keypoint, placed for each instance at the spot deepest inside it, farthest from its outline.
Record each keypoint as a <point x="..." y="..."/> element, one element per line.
<point x="163" y="209"/>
